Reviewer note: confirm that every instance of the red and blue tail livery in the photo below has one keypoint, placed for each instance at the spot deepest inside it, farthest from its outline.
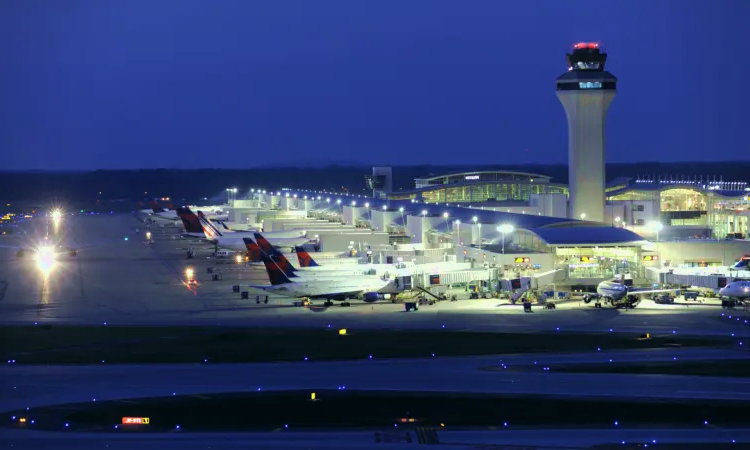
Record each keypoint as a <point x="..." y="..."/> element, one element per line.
<point x="253" y="250"/>
<point x="304" y="258"/>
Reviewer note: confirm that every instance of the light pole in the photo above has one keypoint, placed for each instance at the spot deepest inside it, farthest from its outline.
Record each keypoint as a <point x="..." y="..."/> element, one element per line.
<point x="367" y="211"/>
<point x="504" y="229"/>
<point x="657" y="227"/>
<point x="617" y="220"/>
<point x="583" y="216"/>
<point x="458" y="229"/>
<point x="445" y="216"/>
<point x="401" y="210"/>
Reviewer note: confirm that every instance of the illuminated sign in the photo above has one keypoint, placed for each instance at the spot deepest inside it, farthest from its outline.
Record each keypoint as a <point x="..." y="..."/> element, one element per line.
<point x="522" y="259"/>
<point x="135" y="420"/>
<point x="651" y="258"/>
<point x="471" y="177"/>
<point x="434" y="279"/>
<point x="590" y="85"/>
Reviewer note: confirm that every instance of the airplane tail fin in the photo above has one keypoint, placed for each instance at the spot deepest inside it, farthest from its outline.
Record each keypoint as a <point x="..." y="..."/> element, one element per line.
<point x="275" y="254"/>
<point x="275" y="274"/>
<point x="304" y="258"/>
<point x="742" y="264"/>
<point x="155" y="207"/>
<point x="253" y="250"/>
<point x="207" y="223"/>
<point x="190" y="220"/>
<point x="207" y="230"/>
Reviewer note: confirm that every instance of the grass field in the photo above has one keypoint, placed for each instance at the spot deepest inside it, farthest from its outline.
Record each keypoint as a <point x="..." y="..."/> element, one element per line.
<point x="72" y="344"/>
<point x="267" y="411"/>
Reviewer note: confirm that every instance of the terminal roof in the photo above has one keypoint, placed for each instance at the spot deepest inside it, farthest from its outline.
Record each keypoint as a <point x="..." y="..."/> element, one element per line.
<point x="586" y="235"/>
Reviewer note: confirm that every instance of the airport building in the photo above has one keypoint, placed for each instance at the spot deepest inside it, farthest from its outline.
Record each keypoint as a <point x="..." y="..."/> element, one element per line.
<point x="520" y="192"/>
<point x="680" y="207"/>
<point x="518" y="225"/>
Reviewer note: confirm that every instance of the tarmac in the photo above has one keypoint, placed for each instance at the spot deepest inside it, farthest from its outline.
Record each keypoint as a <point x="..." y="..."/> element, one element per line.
<point x="133" y="282"/>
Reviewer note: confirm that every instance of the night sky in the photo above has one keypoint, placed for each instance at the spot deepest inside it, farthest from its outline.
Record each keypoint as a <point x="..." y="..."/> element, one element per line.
<point x="184" y="83"/>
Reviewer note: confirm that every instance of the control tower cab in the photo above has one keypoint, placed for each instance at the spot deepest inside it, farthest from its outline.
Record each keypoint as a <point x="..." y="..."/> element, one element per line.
<point x="585" y="91"/>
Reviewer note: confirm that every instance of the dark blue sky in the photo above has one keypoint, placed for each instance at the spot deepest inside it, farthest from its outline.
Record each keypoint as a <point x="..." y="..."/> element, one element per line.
<point x="185" y="83"/>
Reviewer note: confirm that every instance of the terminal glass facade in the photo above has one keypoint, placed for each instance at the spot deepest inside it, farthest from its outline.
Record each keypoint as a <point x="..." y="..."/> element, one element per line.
<point x="482" y="192"/>
<point x="598" y="262"/>
<point x="682" y="200"/>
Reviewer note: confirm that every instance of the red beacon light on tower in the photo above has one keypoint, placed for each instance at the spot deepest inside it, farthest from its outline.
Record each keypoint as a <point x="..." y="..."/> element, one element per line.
<point x="586" y="45"/>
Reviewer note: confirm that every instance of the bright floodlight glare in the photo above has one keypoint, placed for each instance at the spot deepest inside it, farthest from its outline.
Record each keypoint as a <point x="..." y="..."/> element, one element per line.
<point x="656" y="226"/>
<point x="445" y="214"/>
<point x="505" y="228"/>
<point x="189" y="273"/>
<point x="475" y="219"/>
<point x="45" y="257"/>
<point x="385" y="207"/>
<point x="424" y="212"/>
<point x="354" y="203"/>
<point x="367" y="204"/>
<point x="401" y="209"/>
<point x="56" y="214"/>
<point x="458" y="222"/>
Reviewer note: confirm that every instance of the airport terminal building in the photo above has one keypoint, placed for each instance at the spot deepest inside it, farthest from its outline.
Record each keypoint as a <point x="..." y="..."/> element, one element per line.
<point x="480" y="187"/>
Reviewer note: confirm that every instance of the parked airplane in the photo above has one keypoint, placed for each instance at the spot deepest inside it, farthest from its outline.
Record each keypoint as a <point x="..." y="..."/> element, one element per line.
<point x="736" y="289"/>
<point x="307" y="262"/>
<point x="157" y="211"/>
<point x="340" y="289"/>
<point x="276" y="235"/>
<point x="308" y="272"/>
<point x="234" y="241"/>
<point x="616" y="293"/>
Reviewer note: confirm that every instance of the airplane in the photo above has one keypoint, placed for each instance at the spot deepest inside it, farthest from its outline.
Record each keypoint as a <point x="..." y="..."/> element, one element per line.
<point x="340" y="289"/>
<point x="271" y="235"/>
<point x="307" y="262"/>
<point x="617" y="294"/>
<point x="172" y="215"/>
<point x="310" y="272"/>
<point x="736" y="289"/>
<point x="234" y="240"/>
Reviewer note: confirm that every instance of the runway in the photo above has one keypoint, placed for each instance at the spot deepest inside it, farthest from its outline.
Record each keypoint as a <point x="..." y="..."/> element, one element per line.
<point x="29" y="386"/>
<point x="506" y="439"/>
<point x="126" y="282"/>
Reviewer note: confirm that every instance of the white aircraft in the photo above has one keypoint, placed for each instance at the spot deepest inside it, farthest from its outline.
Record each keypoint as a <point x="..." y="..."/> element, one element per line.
<point x="736" y="289"/>
<point x="233" y="241"/>
<point x="341" y="289"/>
<point x="276" y="235"/>
<point x="306" y="262"/>
<point x="157" y="211"/>
<point x="308" y="273"/>
<point x="616" y="293"/>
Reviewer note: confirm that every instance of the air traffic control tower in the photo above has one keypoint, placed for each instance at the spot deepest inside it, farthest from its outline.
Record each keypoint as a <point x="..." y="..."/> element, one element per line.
<point x="586" y="90"/>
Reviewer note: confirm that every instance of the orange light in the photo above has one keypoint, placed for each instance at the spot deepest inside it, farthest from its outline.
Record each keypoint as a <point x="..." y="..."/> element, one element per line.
<point x="135" y="420"/>
<point x="22" y="420"/>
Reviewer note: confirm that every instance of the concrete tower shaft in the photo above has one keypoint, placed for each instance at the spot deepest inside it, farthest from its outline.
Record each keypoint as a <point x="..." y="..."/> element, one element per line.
<point x="586" y="91"/>
<point x="587" y="115"/>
